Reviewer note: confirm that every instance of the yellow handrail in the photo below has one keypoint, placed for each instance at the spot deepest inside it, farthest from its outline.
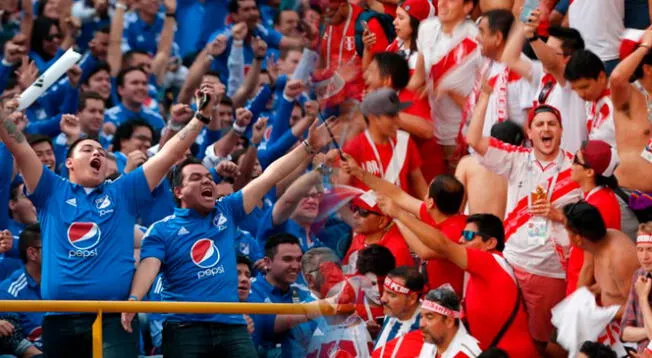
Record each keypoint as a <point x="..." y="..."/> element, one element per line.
<point x="100" y="307"/>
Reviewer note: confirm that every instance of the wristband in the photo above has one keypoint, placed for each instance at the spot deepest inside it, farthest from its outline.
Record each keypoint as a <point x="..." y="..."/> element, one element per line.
<point x="533" y="38"/>
<point x="132" y="298"/>
<point x="121" y="6"/>
<point x="203" y="118"/>
<point x="7" y="63"/>
<point x="239" y="129"/>
<point x="210" y="57"/>
<point x="309" y="149"/>
<point x="170" y="14"/>
<point x="260" y="58"/>
<point x="175" y="127"/>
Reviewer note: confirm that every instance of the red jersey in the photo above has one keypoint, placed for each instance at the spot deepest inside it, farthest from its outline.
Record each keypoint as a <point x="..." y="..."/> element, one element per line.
<point x="392" y="240"/>
<point x="491" y="294"/>
<point x="441" y="271"/>
<point x="406" y="346"/>
<point x="375" y="158"/>
<point x="607" y="204"/>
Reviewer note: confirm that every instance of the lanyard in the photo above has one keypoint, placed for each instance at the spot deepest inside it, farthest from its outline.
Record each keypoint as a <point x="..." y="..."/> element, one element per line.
<point x="330" y="40"/>
<point x="551" y="188"/>
<point x="375" y="150"/>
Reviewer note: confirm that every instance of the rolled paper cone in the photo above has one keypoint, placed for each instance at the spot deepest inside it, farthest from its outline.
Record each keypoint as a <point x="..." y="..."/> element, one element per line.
<point x="48" y="78"/>
<point x="306" y="65"/>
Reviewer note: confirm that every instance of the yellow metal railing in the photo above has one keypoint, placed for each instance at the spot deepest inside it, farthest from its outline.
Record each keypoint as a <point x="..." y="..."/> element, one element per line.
<point x="100" y="307"/>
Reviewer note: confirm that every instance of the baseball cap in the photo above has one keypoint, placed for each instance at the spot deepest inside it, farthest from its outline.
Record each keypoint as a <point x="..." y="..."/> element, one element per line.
<point x="362" y="204"/>
<point x="419" y="9"/>
<point x="600" y="156"/>
<point x="382" y="101"/>
<point x="543" y="108"/>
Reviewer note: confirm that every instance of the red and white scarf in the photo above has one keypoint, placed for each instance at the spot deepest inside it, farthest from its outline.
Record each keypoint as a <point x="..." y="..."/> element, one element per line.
<point x="599" y="111"/>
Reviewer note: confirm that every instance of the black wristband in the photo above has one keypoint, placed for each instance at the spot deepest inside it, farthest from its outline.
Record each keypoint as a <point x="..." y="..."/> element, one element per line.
<point x="260" y="58"/>
<point x="170" y="14"/>
<point x="203" y="118"/>
<point x="533" y="38"/>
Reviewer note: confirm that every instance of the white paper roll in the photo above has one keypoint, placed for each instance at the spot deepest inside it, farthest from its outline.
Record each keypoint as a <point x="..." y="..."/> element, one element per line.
<point x="306" y="65"/>
<point x="48" y="78"/>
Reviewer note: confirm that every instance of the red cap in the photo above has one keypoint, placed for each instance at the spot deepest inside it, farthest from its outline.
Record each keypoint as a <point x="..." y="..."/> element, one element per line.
<point x="364" y="205"/>
<point x="600" y="156"/>
<point x="419" y="9"/>
<point x="543" y="108"/>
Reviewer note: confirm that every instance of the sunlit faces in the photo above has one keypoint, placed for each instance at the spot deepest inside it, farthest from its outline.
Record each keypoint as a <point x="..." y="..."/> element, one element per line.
<point x="197" y="190"/>
<point x="45" y="154"/>
<point x="402" y="24"/>
<point x="99" y="82"/>
<point x="134" y="88"/>
<point x="87" y="163"/>
<point x="285" y="266"/>
<point x="545" y="133"/>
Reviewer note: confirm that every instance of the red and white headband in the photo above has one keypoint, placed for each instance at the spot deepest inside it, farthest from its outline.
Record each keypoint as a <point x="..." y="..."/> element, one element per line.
<point x="395" y="286"/>
<point x="644" y="239"/>
<point x="433" y="306"/>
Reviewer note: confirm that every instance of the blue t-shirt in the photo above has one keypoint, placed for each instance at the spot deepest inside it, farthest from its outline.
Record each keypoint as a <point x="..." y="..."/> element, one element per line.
<point x="88" y="238"/>
<point x="120" y="114"/>
<point x="247" y="245"/>
<point x="139" y="35"/>
<point x="198" y="261"/>
<point x="162" y="206"/>
<point x="21" y="286"/>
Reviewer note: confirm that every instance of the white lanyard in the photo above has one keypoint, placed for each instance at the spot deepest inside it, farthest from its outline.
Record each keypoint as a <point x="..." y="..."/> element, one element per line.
<point x="551" y="188"/>
<point x="330" y="39"/>
<point x="398" y="344"/>
<point x="593" y="191"/>
<point x="375" y="150"/>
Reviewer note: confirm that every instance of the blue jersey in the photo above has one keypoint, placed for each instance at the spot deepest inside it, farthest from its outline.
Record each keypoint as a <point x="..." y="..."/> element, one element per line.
<point x="88" y="238"/>
<point x="247" y="245"/>
<point x="162" y="206"/>
<point x="6" y="172"/>
<point x="139" y="35"/>
<point x="264" y="337"/>
<point x="120" y="114"/>
<point x="21" y="286"/>
<point x="268" y="229"/>
<point x="197" y="257"/>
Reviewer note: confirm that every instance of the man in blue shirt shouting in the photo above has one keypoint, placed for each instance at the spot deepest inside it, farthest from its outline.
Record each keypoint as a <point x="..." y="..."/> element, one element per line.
<point x="194" y="249"/>
<point x="88" y="230"/>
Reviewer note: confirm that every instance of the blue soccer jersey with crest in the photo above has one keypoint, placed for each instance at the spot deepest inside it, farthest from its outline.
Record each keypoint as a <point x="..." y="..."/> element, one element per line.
<point x="88" y="235"/>
<point x="197" y="255"/>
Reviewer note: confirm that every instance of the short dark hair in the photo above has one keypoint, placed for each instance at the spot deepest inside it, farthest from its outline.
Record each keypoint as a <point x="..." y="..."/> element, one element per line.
<point x="227" y="101"/>
<point x="508" y="132"/>
<point x="272" y="244"/>
<point x="395" y="66"/>
<point x="490" y="225"/>
<point x="585" y="220"/>
<point x="446" y="297"/>
<point x="571" y="39"/>
<point x="447" y="192"/>
<point x="106" y="29"/>
<point x="277" y="15"/>
<point x="234" y="6"/>
<point x="286" y="51"/>
<point x="244" y="260"/>
<point x="126" y="130"/>
<point x="71" y="147"/>
<point x="583" y="64"/>
<point x="128" y="56"/>
<point x="597" y="350"/>
<point x="120" y="79"/>
<point x="85" y="96"/>
<point x="493" y="352"/>
<point x="99" y="67"/>
<point x="414" y="280"/>
<point x="375" y="259"/>
<point x="29" y="237"/>
<point x="499" y="20"/>
<point x="175" y="176"/>
<point x="35" y="139"/>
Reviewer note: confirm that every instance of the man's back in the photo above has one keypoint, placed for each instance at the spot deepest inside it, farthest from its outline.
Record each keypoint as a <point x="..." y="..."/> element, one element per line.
<point x="615" y="264"/>
<point x="476" y="179"/>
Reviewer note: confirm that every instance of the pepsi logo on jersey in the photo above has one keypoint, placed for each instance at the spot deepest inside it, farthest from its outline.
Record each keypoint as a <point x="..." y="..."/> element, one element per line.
<point x="83" y="236"/>
<point x="206" y="255"/>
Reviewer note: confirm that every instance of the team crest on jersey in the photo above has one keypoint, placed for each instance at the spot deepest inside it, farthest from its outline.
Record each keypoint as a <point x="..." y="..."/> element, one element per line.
<point x="349" y="43"/>
<point x="268" y="133"/>
<point x="204" y="253"/>
<point x="244" y="248"/>
<point x="104" y="205"/>
<point x="219" y="221"/>
<point x="35" y="334"/>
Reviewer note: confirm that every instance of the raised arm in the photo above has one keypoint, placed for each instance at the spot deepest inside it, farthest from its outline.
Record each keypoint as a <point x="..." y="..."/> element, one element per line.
<point x="546" y="55"/>
<point x="512" y="52"/>
<point x="382" y="186"/>
<point x="114" y="52"/>
<point x="254" y="191"/>
<point x="28" y="163"/>
<point x="474" y="137"/>
<point x="200" y="66"/>
<point x="161" y="59"/>
<point x="293" y="195"/>
<point x="621" y="89"/>
<point x="415" y="244"/>
<point x="429" y="236"/>
<point x="158" y="166"/>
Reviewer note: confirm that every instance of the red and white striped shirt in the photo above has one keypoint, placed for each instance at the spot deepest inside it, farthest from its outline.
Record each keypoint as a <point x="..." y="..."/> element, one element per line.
<point x="600" y="119"/>
<point x="524" y="173"/>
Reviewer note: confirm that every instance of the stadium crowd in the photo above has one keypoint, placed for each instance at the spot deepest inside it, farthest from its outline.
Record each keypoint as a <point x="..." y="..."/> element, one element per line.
<point x="433" y="178"/>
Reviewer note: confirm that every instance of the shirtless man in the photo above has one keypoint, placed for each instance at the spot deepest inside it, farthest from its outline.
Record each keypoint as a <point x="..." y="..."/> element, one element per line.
<point x="633" y="129"/>
<point x="614" y="253"/>
<point x="476" y="178"/>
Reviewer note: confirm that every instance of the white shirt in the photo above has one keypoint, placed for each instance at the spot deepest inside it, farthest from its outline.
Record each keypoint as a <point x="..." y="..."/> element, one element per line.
<point x="350" y="336"/>
<point x="524" y="174"/>
<point x="462" y="345"/>
<point x="569" y="104"/>
<point x="601" y="24"/>
<point x="459" y="74"/>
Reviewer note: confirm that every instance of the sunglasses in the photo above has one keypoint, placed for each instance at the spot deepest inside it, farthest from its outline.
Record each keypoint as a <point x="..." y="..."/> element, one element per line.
<point x="362" y="212"/>
<point x="577" y="161"/>
<point x="469" y="235"/>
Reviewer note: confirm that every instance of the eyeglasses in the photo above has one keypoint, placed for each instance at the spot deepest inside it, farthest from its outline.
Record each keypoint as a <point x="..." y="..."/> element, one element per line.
<point x="469" y="235"/>
<point x="577" y="161"/>
<point x="315" y="196"/>
<point x="362" y="212"/>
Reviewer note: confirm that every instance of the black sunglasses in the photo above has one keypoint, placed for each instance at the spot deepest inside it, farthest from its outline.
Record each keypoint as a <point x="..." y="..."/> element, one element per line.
<point x="54" y="36"/>
<point x="362" y="212"/>
<point x="577" y="161"/>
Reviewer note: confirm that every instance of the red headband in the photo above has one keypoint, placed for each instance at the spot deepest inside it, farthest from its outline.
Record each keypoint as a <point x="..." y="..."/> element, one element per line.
<point x="543" y="108"/>
<point x="433" y="306"/>
<point x="643" y="239"/>
<point x="394" y="286"/>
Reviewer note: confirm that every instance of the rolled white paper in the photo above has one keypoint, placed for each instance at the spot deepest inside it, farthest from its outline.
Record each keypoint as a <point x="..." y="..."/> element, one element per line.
<point x="48" y="78"/>
<point x="306" y="65"/>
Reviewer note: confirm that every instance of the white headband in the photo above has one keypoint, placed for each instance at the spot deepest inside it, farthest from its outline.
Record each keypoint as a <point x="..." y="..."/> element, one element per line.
<point x="395" y="286"/>
<point x="433" y="306"/>
<point x="644" y="239"/>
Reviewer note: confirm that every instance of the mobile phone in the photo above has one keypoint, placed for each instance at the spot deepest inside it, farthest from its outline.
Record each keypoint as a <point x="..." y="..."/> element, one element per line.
<point x="528" y="7"/>
<point x="365" y="26"/>
<point x="380" y="320"/>
<point x="203" y="100"/>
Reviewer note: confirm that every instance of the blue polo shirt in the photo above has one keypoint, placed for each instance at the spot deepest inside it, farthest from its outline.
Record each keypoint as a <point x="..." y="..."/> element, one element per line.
<point x="21" y="286"/>
<point x="197" y="257"/>
<point x="88" y="235"/>
<point x="120" y="114"/>
<point x="293" y="342"/>
<point x="247" y="245"/>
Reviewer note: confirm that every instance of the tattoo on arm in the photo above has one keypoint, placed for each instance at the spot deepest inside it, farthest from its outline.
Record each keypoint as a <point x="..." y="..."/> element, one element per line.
<point x="191" y="127"/>
<point x="13" y="131"/>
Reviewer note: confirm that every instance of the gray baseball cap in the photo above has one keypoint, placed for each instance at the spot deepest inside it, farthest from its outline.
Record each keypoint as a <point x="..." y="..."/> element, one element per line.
<point x="383" y="101"/>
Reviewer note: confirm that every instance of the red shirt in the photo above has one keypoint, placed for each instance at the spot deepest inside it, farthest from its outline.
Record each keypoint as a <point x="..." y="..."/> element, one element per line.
<point x="362" y="151"/>
<point x="490" y="298"/>
<point x="441" y="271"/>
<point x="607" y="204"/>
<point x="392" y="240"/>
<point x="409" y="347"/>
